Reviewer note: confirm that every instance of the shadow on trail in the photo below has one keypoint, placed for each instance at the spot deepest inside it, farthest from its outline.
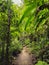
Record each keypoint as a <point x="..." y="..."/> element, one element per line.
<point x="24" y="58"/>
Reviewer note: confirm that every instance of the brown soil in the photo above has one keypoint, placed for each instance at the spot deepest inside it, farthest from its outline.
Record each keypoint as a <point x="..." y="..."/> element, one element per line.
<point x="24" y="58"/>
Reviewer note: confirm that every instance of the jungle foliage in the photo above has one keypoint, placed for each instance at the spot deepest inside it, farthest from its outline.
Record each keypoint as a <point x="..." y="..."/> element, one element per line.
<point x="25" y="25"/>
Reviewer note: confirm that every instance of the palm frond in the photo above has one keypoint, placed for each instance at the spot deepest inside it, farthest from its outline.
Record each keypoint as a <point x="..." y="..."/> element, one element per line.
<point x="27" y="11"/>
<point x="40" y="20"/>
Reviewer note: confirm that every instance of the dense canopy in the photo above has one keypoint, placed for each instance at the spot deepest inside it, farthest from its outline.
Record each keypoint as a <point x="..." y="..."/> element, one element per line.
<point x="24" y="27"/>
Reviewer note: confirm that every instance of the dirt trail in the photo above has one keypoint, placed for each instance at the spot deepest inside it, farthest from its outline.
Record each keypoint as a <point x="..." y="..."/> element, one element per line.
<point x="24" y="58"/>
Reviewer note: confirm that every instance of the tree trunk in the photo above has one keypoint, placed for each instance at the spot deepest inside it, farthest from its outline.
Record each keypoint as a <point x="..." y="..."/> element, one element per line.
<point x="8" y="34"/>
<point x="2" y="54"/>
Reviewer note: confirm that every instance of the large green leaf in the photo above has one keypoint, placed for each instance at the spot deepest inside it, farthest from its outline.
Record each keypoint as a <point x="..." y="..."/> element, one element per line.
<point x="28" y="10"/>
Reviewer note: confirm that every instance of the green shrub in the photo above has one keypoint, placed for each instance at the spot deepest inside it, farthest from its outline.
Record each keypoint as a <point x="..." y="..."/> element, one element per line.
<point x="15" y="46"/>
<point x="41" y="63"/>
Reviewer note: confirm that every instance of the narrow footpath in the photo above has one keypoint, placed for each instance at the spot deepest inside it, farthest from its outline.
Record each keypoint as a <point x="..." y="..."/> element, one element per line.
<point x="24" y="58"/>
